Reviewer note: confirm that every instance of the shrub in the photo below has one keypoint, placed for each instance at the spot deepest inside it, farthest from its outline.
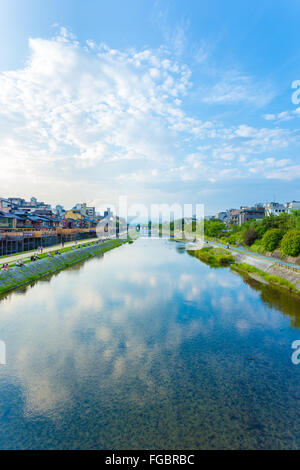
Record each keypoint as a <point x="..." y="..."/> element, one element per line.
<point x="225" y="260"/>
<point x="271" y="239"/>
<point x="250" y="236"/>
<point x="290" y="243"/>
<point x="233" y="238"/>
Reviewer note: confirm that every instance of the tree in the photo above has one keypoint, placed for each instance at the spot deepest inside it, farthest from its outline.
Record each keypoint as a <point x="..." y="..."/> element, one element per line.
<point x="271" y="239"/>
<point x="250" y="236"/>
<point x="295" y="218"/>
<point x="290" y="243"/>
<point x="213" y="228"/>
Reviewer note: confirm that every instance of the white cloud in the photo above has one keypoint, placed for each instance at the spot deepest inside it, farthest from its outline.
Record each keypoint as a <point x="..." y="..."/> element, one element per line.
<point x="92" y="120"/>
<point x="85" y="105"/>
<point x="235" y="87"/>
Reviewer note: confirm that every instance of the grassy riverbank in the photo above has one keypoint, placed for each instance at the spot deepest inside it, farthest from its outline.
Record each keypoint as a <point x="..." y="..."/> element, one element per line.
<point x="214" y="257"/>
<point x="34" y="270"/>
<point x="260" y="275"/>
<point x="219" y="257"/>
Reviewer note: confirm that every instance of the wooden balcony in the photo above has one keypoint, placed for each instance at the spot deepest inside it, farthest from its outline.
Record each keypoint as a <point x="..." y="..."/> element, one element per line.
<point x="39" y="233"/>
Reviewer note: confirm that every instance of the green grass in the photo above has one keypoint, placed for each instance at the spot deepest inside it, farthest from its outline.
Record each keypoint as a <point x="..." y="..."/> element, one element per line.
<point x="101" y="249"/>
<point x="60" y="250"/>
<point x="270" y="278"/>
<point x="214" y="257"/>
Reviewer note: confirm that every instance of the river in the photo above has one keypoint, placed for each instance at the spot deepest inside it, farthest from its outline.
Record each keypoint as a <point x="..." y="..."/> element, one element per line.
<point x="149" y="348"/>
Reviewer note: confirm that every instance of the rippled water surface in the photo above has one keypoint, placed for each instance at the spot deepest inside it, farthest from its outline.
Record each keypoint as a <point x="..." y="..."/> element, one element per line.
<point x="147" y="347"/>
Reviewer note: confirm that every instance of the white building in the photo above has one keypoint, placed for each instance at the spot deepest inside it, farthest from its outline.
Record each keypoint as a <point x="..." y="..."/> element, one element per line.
<point x="223" y="216"/>
<point x="84" y="209"/>
<point x="274" y="208"/>
<point x="294" y="205"/>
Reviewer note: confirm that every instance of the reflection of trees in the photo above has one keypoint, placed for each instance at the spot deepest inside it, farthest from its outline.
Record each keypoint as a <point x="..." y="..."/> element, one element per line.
<point x="277" y="298"/>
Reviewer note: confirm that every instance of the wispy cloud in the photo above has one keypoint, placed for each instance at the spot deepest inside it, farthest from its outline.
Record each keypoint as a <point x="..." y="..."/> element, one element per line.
<point x="235" y="87"/>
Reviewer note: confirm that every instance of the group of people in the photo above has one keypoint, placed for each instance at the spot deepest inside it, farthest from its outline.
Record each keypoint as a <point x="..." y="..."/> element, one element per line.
<point x="19" y="263"/>
<point x="5" y="267"/>
<point x="51" y="254"/>
<point x="34" y="257"/>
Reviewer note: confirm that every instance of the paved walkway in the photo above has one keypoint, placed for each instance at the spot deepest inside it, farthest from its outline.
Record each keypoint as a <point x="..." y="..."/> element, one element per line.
<point x="26" y="254"/>
<point x="258" y="255"/>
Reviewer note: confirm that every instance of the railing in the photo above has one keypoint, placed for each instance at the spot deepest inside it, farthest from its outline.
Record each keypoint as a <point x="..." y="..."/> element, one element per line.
<point x="38" y="233"/>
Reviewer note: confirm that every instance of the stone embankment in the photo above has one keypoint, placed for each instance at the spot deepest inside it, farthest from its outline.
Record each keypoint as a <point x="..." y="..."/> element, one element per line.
<point x="19" y="276"/>
<point x="269" y="267"/>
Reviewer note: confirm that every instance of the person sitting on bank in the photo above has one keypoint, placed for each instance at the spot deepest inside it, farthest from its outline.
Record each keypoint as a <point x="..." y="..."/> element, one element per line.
<point x="32" y="258"/>
<point x="57" y="253"/>
<point x="20" y="263"/>
<point x="50" y="254"/>
<point x="5" y="267"/>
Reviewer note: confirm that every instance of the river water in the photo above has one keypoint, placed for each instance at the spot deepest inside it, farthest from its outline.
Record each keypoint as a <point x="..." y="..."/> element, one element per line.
<point x="148" y="348"/>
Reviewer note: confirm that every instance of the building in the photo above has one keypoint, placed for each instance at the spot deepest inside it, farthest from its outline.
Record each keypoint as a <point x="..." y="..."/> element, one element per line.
<point x="60" y="211"/>
<point x="234" y="216"/>
<point x="222" y="216"/>
<point x="250" y="213"/>
<point x="18" y="203"/>
<point x="291" y="206"/>
<point x="108" y="213"/>
<point x="74" y="214"/>
<point x="75" y="218"/>
<point x="5" y="205"/>
<point x="7" y="221"/>
<point x="274" y="208"/>
<point x="85" y="210"/>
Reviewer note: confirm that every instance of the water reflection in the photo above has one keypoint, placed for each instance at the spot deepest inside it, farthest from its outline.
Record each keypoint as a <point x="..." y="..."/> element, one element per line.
<point x="147" y="349"/>
<point x="289" y="304"/>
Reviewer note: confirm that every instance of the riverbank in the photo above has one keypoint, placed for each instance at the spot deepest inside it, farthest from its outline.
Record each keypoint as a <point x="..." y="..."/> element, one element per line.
<point x="257" y="250"/>
<point x="19" y="276"/>
<point x="262" y="270"/>
<point x="214" y="257"/>
<point x="11" y="259"/>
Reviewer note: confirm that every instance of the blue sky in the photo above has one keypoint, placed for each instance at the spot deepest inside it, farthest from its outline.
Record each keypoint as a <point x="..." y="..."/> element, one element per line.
<point x="162" y="101"/>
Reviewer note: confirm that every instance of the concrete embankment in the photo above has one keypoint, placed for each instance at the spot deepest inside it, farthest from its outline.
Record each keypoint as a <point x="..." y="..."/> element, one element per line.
<point x="18" y="276"/>
<point x="268" y="267"/>
<point x="261" y="269"/>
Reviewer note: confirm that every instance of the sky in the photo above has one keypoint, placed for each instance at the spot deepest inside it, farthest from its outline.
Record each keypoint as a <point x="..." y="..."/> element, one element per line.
<point x="161" y="101"/>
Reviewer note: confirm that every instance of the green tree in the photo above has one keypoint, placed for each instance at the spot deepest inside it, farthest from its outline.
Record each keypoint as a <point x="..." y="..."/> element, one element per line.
<point x="213" y="228"/>
<point x="295" y="218"/>
<point x="290" y="243"/>
<point x="250" y="236"/>
<point x="271" y="239"/>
